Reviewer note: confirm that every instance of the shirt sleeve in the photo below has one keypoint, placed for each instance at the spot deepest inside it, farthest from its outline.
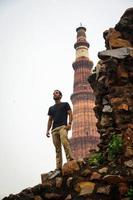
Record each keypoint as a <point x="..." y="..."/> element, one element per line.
<point x="50" y="112"/>
<point x="68" y="106"/>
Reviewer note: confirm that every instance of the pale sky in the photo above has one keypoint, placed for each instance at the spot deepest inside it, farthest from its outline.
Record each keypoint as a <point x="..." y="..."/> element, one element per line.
<point x="36" y="55"/>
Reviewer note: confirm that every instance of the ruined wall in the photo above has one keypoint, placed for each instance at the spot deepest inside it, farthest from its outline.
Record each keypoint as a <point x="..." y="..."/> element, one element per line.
<point x="112" y="81"/>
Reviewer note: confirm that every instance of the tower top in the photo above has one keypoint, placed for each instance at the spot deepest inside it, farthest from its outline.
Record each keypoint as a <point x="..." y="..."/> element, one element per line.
<point x="80" y="27"/>
<point x="81" y="37"/>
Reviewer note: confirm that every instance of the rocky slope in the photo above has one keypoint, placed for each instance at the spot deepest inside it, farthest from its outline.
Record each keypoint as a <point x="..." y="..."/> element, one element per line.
<point x="108" y="173"/>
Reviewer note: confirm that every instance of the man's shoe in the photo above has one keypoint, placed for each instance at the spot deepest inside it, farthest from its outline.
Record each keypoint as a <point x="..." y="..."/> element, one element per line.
<point x="55" y="173"/>
<point x="70" y="159"/>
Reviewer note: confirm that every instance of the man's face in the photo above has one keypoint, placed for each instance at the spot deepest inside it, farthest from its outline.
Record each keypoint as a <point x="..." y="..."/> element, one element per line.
<point x="56" y="95"/>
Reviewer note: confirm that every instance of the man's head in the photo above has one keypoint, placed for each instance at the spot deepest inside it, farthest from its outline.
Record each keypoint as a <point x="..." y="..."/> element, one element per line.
<point x="57" y="95"/>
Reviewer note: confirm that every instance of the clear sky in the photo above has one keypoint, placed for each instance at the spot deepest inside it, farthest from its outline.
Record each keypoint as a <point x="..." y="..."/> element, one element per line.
<point x="36" y="55"/>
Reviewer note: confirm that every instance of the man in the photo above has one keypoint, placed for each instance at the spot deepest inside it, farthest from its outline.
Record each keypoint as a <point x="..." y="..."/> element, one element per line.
<point x="58" y="120"/>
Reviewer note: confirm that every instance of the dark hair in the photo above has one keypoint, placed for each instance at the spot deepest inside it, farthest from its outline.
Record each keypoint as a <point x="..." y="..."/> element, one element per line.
<point x="59" y="92"/>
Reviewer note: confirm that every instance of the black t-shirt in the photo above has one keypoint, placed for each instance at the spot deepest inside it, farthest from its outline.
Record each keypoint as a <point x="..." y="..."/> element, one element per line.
<point x="58" y="112"/>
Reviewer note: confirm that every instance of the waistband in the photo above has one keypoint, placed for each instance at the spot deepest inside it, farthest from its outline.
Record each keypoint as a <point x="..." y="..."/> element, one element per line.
<point x="58" y="128"/>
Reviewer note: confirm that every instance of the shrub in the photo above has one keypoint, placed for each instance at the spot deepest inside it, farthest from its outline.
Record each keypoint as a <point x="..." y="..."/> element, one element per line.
<point x="130" y="193"/>
<point x="115" y="146"/>
<point x="96" y="159"/>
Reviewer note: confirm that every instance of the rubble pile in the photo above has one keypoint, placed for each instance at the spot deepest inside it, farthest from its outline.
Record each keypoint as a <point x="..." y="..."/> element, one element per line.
<point x="73" y="183"/>
<point x="107" y="174"/>
<point x="80" y="180"/>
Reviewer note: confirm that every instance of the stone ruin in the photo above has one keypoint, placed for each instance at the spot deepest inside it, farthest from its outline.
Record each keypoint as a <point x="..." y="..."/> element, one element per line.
<point x="107" y="174"/>
<point x="112" y="82"/>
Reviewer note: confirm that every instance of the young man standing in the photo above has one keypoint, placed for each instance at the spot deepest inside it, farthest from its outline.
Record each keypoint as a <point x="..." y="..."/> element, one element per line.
<point x="58" y="120"/>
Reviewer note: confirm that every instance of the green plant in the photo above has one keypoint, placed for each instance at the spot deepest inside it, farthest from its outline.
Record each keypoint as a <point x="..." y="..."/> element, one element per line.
<point x="130" y="193"/>
<point x="115" y="146"/>
<point x="96" y="159"/>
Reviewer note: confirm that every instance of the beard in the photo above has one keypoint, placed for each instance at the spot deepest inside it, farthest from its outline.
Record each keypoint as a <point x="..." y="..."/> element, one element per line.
<point x="56" y="98"/>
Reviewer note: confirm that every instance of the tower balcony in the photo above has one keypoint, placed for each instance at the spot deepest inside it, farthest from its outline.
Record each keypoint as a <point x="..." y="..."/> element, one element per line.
<point x="82" y="63"/>
<point x="82" y="43"/>
<point x="82" y="95"/>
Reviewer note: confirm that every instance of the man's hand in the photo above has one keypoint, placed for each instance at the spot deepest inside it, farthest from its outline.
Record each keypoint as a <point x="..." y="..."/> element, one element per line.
<point x="49" y="126"/>
<point x="68" y="127"/>
<point x="48" y="134"/>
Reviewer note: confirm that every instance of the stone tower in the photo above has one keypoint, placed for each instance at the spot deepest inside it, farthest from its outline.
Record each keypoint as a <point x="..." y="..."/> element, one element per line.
<point x="84" y="133"/>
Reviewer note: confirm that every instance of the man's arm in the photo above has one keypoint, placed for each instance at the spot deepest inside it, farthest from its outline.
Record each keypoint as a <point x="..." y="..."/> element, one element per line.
<point x="49" y="124"/>
<point x="70" y="118"/>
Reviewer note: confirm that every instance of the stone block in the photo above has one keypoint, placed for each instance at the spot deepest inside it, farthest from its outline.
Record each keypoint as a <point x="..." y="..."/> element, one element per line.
<point x="70" y="167"/>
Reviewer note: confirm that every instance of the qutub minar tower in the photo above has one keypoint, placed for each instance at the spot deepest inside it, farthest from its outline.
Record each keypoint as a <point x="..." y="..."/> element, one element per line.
<point x="84" y="133"/>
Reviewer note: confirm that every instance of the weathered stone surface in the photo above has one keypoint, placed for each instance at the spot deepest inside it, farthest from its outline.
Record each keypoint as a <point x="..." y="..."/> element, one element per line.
<point x="45" y="176"/>
<point x="95" y="176"/>
<point x="114" y="39"/>
<point x="37" y="189"/>
<point x="58" y="181"/>
<point x="47" y="184"/>
<point x="104" y="189"/>
<point x="123" y="106"/>
<point x="128" y="151"/>
<point x="104" y="101"/>
<point x="69" y="197"/>
<point x="37" y="197"/>
<point x="115" y="100"/>
<point x="103" y="170"/>
<point x="85" y="188"/>
<point x="81" y="162"/>
<point x="70" y="167"/>
<point x="86" y="172"/>
<point x="106" y="120"/>
<point x="123" y="188"/>
<point x="125" y="25"/>
<point x="130" y="126"/>
<point x="113" y="179"/>
<point x="52" y="196"/>
<point x="120" y="53"/>
<point x="69" y="181"/>
<point x="107" y="108"/>
<point x="131" y="172"/>
<point x="129" y="163"/>
<point x="122" y="72"/>
<point x="117" y="43"/>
